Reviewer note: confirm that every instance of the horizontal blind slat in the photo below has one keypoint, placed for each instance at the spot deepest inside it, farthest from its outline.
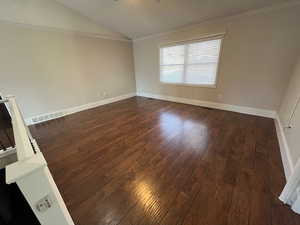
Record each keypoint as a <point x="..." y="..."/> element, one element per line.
<point x="200" y="60"/>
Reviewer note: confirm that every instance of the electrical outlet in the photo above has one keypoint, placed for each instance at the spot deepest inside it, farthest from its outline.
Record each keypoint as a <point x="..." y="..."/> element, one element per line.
<point x="44" y="204"/>
<point x="104" y="94"/>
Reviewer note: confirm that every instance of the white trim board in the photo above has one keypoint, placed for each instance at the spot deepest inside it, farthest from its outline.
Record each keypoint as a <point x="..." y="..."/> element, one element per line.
<point x="60" y="113"/>
<point x="284" y="149"/>
<point x="215" y="105"/>
<point x="279" y="6"/>
<point x="65" y="31"/>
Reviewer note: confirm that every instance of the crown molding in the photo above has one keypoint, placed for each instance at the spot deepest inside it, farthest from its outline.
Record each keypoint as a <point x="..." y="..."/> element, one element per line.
<point x="64" y="31"/>
<point x="230" y="17"/>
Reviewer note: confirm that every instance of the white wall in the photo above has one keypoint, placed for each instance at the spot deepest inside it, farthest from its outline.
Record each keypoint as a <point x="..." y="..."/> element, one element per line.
<point x="288" y="104"/>
<point x="258" y="53"/>
<point x="50" y="70"/>
<point x="50" y="14"/>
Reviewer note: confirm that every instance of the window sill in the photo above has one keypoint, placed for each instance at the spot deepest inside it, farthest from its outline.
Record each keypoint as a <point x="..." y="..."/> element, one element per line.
<point x="191" y="85"/>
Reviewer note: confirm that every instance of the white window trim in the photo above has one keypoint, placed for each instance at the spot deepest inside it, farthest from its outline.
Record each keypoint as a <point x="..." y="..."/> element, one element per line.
<point x="184" y="42"/>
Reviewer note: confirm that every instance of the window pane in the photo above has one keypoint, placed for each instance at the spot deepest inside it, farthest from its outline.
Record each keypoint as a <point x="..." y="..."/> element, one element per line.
<point x="172" y="55"/>
<point x="201" y="74"/>
<point x="191" y="63"/>
<point x="204" y="52"/>
<point x="171" y="74"/>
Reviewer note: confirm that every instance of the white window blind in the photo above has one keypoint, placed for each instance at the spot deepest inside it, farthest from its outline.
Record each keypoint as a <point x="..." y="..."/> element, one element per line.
<point x="193" y="63"/>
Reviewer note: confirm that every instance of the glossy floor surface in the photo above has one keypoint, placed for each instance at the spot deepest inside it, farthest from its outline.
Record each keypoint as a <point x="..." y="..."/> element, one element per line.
<point x="142" y="161"/>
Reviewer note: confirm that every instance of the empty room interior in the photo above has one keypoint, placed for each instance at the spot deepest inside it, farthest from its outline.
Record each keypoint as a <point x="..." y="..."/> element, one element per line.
<point x="150" y="112"/>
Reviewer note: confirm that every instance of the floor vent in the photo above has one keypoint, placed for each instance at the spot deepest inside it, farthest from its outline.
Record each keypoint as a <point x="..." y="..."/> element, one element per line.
<point x="47" y="117"/>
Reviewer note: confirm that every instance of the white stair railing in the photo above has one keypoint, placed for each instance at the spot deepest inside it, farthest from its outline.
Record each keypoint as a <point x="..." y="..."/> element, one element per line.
<point x="31" y="173"/>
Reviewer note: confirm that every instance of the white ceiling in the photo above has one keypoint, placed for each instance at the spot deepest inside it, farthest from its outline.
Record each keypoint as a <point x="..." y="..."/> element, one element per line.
<point x="138" y="18"/>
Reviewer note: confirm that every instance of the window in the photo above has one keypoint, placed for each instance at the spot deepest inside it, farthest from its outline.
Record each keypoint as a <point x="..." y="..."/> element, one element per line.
<point x="192" y="63"/>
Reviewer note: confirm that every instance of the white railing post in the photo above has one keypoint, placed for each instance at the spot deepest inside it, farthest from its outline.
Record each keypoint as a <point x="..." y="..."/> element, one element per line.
<point x="22" y="141"/>
<point x="32" y="175"/>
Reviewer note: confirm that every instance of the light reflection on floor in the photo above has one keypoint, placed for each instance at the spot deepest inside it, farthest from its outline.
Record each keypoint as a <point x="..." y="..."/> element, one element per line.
<point x="146" y="197"/>
<point x="192" y="133"/>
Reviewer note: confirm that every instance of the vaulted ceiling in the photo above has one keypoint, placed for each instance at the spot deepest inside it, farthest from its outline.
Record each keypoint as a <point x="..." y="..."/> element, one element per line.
<point x="138" y="18"/>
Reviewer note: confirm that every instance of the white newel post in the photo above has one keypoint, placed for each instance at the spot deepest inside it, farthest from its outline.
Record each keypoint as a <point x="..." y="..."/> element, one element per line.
<point x="33" y="177"/>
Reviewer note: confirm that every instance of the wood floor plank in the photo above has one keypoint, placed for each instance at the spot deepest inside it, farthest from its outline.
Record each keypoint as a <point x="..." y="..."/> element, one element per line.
<point x="147" y="162"/>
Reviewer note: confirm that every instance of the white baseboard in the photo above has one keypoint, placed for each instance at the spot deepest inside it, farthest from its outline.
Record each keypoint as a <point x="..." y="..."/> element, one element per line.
<point x="215" y="105"/>
<point x="284" y="149"/>
<point x="60" y="113"/>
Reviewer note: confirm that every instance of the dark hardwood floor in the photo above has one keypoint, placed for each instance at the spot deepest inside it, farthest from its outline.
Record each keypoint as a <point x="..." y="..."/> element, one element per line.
<point x="142" y="161"/>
